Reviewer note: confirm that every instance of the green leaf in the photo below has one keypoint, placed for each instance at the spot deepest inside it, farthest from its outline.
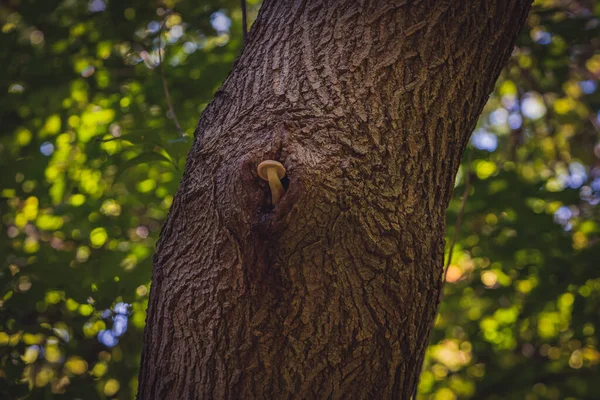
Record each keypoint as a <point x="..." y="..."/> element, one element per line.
<point x="144" y="158"/>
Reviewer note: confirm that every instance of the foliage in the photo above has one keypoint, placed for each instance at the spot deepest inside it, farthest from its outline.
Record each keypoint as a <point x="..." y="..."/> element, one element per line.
<point x="91" y="158"/>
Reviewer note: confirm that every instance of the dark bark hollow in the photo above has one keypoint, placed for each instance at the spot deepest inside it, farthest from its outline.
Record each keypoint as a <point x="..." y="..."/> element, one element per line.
<point x="331" y="294"/>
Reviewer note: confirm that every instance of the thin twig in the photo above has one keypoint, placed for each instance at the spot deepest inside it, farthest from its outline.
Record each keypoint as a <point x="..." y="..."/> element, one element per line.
<point x="461" y="213"/>
<point x="244" y="21"/>
<point x="459" y="218"/>
<point x="164" y="81"/>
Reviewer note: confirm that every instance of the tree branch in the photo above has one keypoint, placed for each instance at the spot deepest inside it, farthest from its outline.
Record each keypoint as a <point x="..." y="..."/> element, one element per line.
<point x="244" y="21"/>
<point x="164" y="81"/>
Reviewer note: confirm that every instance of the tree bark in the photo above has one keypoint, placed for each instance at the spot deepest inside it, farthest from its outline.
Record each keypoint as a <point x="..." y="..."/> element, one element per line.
<point x="332" y="293"/>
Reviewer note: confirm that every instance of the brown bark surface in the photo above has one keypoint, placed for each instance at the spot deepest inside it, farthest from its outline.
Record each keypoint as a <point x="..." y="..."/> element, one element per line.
<point x="332" y="293"/>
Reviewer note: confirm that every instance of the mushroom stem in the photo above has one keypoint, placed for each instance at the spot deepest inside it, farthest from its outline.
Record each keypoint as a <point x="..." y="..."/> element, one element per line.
<point x="275" y="185"/>
<point x="272" y="171"/>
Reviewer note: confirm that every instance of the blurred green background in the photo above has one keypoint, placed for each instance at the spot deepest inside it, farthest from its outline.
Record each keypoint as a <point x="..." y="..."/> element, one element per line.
<point x="90" y="158"/>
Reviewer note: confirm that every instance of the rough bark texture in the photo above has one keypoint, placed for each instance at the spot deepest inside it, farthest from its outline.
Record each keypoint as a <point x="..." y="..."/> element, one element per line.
<point x="331" y="294"/>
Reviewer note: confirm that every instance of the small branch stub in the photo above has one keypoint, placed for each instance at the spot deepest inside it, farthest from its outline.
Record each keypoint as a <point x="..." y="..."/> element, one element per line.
<point x="272" y="171"/>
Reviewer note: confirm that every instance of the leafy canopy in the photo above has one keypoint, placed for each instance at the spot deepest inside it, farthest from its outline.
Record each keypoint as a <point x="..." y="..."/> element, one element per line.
<point x="91" y="157"/>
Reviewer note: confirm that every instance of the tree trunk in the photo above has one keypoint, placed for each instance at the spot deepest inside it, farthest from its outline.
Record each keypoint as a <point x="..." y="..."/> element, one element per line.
<point x="333" y="292"/>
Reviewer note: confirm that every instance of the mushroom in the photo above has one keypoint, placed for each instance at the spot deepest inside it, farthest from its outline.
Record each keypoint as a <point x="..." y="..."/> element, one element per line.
<point x="272" y="171"/>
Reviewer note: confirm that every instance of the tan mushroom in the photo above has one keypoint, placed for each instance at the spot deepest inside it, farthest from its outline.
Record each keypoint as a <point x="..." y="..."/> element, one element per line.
<point x="272" y="171"/>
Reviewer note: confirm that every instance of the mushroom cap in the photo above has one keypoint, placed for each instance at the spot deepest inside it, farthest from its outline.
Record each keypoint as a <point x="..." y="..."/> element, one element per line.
<point x="263" y="166"/>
